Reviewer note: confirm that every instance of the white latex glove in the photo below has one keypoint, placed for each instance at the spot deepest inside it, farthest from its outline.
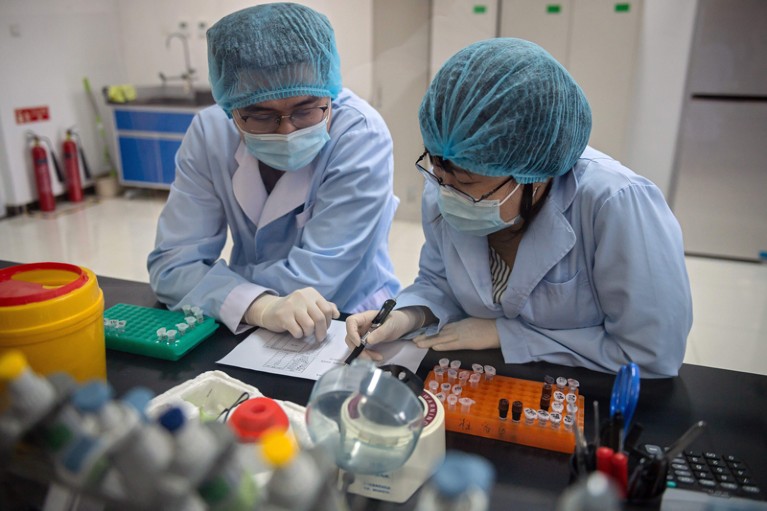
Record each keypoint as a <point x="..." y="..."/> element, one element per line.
<point x="467" y="334"/>
<point x="301" y="313"/>
<point x="400" y="322"/>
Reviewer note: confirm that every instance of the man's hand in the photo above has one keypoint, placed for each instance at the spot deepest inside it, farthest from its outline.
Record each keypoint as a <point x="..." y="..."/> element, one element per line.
<point x="301" y="313"/>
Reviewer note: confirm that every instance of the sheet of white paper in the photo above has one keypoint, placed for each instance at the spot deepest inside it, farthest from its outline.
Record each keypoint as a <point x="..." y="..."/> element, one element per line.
<point x="305" y="358"/>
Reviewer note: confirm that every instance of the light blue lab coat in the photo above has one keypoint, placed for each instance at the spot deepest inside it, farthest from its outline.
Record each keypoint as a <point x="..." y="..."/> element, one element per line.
<point x="599" y="277"/>
<point x="324" y="226"/>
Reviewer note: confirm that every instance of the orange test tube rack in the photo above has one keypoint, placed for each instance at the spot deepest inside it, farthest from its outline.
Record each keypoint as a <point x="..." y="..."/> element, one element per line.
<point x="483" y="417"/>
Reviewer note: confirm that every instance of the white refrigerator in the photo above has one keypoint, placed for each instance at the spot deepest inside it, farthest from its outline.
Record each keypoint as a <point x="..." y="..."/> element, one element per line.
<point x="719" y="193"/>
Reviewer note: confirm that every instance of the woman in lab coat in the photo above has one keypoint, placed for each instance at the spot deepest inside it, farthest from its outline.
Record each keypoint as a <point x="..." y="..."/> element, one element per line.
<point x="535" y="242"/>
<point x="297" y="168"/>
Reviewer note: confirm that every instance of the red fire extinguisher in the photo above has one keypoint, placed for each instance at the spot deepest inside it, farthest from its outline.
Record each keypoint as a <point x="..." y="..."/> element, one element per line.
<point x="42" y="172"/>
<point x="72" y="168"/>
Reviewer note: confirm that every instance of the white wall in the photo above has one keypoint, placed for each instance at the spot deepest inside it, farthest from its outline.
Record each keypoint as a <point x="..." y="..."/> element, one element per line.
<point x="662" y="62"/>
<point x="46" y="47"/>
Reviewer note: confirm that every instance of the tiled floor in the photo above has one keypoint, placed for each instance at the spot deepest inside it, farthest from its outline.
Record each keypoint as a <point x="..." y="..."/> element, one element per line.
<point x="112" y="237"/>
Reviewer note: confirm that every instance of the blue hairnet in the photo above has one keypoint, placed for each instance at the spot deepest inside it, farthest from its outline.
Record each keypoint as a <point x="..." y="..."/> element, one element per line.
<point x="505" y="107"/>
<point x="272" y="51"/>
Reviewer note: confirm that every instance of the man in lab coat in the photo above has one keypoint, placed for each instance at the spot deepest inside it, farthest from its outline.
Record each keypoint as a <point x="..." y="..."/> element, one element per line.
<point x="296" y="167"/>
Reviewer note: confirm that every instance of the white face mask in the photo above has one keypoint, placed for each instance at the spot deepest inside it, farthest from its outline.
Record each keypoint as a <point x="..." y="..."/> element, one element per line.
<point x="288" y="152"/>
<point x="478" y="219"/>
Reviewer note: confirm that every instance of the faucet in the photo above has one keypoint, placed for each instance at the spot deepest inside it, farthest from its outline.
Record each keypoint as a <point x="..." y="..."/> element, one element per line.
<point x="189" y="75"/>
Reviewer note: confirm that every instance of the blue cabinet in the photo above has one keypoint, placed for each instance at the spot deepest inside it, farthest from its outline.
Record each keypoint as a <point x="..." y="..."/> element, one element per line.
<point x="147" y="141"/>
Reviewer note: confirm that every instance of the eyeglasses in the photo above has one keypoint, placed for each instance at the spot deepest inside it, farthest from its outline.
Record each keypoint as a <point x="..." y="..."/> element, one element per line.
<point x="258" y="123"/>
<point x="441" y="182"/>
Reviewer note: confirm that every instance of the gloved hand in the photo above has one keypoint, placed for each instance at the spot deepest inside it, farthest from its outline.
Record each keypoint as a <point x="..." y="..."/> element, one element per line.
<point x="399" y="323"/>
<point x="467" y="334"/>
<point x="302" y="313"/>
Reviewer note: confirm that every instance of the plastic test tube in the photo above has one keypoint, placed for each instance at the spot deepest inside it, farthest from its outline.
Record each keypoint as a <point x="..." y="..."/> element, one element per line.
<point x="463" y="376"/>
<point x="182" y="328"/>
<point x="530" y="416"/>
<point x="572" y="409"/>
<point x="452" y="399"/>
<point x="516" y="411"/>
<point x="489" y="373"/>
<point x="187" y="309"/>
<point x="457" y="390"/>
<point x="161" y="334"/>
<point x="545" y="401"/>
<point x="557" y="407"/>
<point x="474" y="380"/>
<point x="465" y="404"/>
<point x="445" y="387"/>
<point x="543" y="418"/>
<point x="439" y="374"/>
<point x="190" y="321"/>
<point x="455" y="364"/>
<point x="555" y="419"/>
<point x="441" y="396"/>
<point x="503" y="409"/>
<point x="171" y="336"/>
<point x="452" y="375"/>
<point x="574" y="385"/>
<point x="568" y="421"/>
<point x="559" y="396"/>
<point x="571" y="398"/>
<point x="561" y="383"/>
<point x="433" y="386"/>
<point x="444" y="363"/>
<point x="477" y="368"/>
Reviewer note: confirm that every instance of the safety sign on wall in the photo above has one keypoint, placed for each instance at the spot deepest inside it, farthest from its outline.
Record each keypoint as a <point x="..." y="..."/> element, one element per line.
<point x="32" y="114"/>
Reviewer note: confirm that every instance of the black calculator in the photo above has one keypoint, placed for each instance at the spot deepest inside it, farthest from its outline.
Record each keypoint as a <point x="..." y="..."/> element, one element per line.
<point x="695" y="477"/>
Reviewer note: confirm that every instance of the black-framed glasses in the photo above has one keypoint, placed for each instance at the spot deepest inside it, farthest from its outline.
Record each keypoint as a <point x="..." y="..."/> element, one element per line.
<point x="263" y="123"/>
<point x="441" y="182"/>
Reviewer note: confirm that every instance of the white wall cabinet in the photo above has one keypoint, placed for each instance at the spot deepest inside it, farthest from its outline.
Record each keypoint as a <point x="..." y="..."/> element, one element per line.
<point x="596" y="40"/>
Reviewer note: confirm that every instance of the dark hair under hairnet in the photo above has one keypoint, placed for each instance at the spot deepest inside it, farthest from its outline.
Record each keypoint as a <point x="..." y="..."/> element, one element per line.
<point x="272" y="51"/>
<point x="506" y="107"/>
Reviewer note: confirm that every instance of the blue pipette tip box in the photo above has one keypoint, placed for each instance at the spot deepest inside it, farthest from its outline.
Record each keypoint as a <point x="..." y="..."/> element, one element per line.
<point x="133" y="329"/>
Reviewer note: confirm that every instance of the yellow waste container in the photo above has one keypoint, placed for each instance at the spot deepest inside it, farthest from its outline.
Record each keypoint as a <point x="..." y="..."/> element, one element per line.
<point x="54" y="313"/>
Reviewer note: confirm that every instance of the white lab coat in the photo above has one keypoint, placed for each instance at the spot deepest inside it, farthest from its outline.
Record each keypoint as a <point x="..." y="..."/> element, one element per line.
<point x="324" y="226"/>
<point x="599" y="278"/>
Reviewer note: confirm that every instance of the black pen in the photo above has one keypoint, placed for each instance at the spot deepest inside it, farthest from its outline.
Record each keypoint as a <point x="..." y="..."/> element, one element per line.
<point x="386" y="308"/>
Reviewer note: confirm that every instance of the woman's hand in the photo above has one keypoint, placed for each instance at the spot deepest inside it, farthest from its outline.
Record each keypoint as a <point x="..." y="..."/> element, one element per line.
<point x="399" y="323"/>
<point x="467" y="334"/>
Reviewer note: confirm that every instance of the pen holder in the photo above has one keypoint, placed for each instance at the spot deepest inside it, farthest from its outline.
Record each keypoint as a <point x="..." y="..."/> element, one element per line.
<point x="645" y="483"/>
<point x="641" y="479"/>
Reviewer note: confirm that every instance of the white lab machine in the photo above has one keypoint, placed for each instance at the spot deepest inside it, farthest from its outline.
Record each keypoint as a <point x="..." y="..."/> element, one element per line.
<point x="378" y="429"/>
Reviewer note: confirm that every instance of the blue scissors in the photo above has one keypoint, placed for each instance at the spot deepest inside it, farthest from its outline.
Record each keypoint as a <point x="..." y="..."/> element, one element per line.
<point x="625" y="394"/>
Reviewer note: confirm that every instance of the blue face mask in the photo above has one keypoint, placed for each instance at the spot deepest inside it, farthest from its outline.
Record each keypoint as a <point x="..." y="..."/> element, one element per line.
<point x="478" y="219"/>
<point x="288" y="152"/>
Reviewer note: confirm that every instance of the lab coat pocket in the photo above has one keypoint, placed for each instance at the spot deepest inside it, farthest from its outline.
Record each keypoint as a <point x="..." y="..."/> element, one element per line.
<point x="562" y="305"/>
<point x="303" y="217"/>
